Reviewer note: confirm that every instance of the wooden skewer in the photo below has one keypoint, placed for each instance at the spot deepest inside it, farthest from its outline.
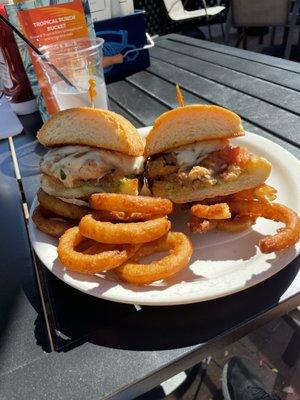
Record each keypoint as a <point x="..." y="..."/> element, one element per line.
<point x="179" y="96"/>
<point x="92" y="91"/>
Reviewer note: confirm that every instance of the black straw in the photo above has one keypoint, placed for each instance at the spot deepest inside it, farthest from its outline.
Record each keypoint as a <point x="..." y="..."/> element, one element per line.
<point x="37" y="51"/>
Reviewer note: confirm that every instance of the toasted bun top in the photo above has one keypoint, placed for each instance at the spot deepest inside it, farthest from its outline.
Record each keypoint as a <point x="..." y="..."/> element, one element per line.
<point x="92" y="127"/>
<point x="189" y="124"/>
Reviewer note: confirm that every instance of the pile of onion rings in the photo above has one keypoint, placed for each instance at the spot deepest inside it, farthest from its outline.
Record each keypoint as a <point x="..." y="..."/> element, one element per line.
<point x="238" y="212"/>
<point x="118" y="232"/>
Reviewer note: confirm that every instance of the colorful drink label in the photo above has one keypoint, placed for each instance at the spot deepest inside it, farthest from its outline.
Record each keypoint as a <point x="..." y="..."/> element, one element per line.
<point x="48" y="25"/>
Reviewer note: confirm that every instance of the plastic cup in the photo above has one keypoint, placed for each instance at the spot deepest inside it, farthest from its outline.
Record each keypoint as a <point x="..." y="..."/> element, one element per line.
<point x="79" y="61"/>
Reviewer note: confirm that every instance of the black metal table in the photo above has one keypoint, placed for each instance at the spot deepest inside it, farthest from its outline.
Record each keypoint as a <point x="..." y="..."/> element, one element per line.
<point x="58" y="343"/>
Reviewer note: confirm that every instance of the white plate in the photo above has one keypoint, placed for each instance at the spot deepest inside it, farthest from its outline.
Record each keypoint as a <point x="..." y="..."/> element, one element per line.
<point x="222" y="263"/>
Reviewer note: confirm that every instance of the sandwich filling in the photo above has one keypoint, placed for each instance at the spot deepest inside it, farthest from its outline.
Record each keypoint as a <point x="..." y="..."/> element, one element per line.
<point x="86" y="167"/>
<point x="205" y="163"/>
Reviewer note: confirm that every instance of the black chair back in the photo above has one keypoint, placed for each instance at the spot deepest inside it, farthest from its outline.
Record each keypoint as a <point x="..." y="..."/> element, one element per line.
<point x="159" y="23"/>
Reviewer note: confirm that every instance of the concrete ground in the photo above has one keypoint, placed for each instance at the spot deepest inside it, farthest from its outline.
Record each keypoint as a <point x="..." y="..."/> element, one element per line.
<point x="264" y="348"/>
<point x="253" y="41"/>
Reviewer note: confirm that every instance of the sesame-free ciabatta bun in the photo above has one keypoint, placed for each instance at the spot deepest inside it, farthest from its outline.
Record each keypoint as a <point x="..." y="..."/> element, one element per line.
<point x="57" y="189"/>
<point x="256" y="172"/>
<point x="92" y="127"/>
<point x="189" y="124"/>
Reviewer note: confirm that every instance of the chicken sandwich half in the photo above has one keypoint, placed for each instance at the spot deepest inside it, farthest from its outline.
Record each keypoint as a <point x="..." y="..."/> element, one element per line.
<point x="91" y="151"/>
<point x="191" y="158"/>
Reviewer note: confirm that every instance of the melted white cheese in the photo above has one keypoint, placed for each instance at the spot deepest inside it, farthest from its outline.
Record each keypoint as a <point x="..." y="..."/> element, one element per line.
<point x="189" y="155"/>
<point x="71" y="163"/>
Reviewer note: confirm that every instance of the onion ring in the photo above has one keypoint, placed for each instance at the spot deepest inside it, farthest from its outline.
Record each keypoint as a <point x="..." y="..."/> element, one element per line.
<point x="262" y="192"/>
<point x="89" y="246"/>
<point x="236" y="224"/>
<point x="285" y="237"/>
<point x="60" y="207"/>
<point x="214" y="211"/>
<point x="180" y="249"/>
<point x="120" y="233"/>
<point x="215" y="200"/>
<point x="128" y="203"/>
<point x="109" y="256"/>
<point x="200" y="225"/>
<point x="120" y="216"/>
<point x="52" y="227"/>
<point x="239" y="223"/>
<point x="84" y="246"/>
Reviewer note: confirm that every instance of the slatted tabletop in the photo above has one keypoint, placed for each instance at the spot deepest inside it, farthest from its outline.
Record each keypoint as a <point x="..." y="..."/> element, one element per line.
<point x="60" y="343"/>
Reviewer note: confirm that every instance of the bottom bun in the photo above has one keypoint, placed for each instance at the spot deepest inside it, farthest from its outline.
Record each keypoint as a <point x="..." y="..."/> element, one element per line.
<point x="57" y="189"/>
<point x="255" y="173"/>
<point x="77" y="202"/>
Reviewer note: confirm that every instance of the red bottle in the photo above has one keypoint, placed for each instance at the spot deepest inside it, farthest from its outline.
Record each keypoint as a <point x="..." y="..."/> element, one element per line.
<point x="15" y="82"/>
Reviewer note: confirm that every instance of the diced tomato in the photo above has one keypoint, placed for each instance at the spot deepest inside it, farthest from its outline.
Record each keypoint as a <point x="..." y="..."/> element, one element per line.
<point x="234" y="155"/>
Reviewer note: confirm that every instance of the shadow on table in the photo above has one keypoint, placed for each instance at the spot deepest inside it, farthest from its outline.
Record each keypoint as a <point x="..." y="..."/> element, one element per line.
<point x="82" y="318"/>
<point x="187" y="325"/>
<point x="27" y="148"/>
<point x="31" y="124"/>
<point x="28" y="156"/>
